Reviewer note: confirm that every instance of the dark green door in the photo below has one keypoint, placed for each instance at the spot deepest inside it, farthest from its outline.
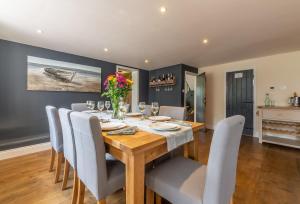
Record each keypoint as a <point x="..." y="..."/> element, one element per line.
<point x="200" y="97"/>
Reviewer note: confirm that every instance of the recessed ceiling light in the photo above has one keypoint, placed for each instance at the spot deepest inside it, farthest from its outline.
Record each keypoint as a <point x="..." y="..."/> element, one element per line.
<point x="105" y="49"/>
<point x="205" y="41"/>
<point x="163" y="9"/>
<point x="146" y="61"/>
<point x="39" y="31"/>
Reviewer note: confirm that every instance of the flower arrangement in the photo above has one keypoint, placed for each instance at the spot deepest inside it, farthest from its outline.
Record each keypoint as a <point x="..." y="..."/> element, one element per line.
<point x="116" y="86"/>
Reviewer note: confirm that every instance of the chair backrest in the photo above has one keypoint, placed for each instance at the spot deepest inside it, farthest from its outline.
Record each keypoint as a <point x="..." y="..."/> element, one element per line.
<point x="177" y="113"/>
<point x="90" y="152"/>
<point x="55" y="130"/>
<point x="68" y="137"/>
<point x="79" y="107"/>
<point x="222" y="162"/>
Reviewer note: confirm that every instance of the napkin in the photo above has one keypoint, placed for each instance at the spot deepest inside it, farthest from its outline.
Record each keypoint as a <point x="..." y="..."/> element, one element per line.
<point x="125" y="131"/>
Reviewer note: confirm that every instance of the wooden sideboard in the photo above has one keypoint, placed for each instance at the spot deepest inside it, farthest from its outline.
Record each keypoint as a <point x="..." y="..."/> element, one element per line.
<point x="279" y="125"/>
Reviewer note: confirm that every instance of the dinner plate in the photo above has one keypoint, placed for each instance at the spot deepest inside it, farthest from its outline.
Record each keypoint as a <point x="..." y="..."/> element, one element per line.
<point x="159" y="118"/>
<point x="164" y="126"/>
<point x="90" y="111"/>
<point x="112" y="126"/>
<point x="133" y="114"/>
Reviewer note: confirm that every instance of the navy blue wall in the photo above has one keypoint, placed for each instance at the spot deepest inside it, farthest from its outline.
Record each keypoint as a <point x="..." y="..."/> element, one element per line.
<point x="167" y="98"/>
<point x="176" y="96"/>
<point x="22" y="112"/>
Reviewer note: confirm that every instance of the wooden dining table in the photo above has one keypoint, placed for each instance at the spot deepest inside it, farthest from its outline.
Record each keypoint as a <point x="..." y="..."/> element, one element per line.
<point x="137" y="150"/>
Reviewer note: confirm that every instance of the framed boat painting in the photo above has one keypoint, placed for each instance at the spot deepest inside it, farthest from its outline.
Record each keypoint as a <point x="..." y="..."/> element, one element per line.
<point x="52" y="75"/>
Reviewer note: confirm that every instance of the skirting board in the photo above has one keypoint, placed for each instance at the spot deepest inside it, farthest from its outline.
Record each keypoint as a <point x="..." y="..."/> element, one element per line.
<point x="7" y="154"/>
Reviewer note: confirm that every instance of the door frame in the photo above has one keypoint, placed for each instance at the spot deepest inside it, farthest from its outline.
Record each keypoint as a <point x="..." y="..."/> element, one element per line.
<point x="195" y="88"/>
<point x="255" y="127"/>
<point x="135" y="87"/>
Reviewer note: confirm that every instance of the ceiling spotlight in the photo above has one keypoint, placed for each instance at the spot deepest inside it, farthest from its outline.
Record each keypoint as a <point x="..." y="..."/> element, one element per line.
<point x="146" y="61"/>
<point x="39" y="31"/>
<point x="163" y="9"/>
<point x="205" y="41"/>
<point x="105" y="49"/>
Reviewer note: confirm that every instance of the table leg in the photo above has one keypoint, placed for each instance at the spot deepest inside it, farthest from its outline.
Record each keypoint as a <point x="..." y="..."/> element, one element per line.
<point x="135" y="174"/>
<point x="196" y="145"/>
<point x="193" y="147"/>
<point x="186" y="150"/>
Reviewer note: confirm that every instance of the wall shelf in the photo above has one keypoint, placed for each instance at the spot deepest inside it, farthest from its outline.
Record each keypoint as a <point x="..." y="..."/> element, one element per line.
<point x="162" y="83"/>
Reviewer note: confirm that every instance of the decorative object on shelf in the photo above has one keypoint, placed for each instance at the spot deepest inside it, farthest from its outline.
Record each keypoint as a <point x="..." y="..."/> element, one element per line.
<point x="52" y="75"/>
<point x="168" y="80"/>
<point x="268" y="101"/>
<point x="117" y="87"/>
<point x="295" y="100"/>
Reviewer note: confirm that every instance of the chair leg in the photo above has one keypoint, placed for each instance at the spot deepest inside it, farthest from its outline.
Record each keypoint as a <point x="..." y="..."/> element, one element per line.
<point x="75" y="188"/>
<point x="158" y="199"/>
<point x="66" y="175"/>
<point x="149" y="196"/>
<point x="81" y="192"/>
<point x="103" y="201"/>
<point x="58" y="166"/>
<point x="52" y="159"/>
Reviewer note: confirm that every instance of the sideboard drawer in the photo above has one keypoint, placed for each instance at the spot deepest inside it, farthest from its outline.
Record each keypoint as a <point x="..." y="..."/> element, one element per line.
<point x="283" y="115"/>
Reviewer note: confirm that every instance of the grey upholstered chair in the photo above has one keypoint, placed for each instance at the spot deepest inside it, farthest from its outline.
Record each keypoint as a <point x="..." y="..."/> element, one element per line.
<point x="69" y="150"/>
<point x="177" y="113"/>
<point x="79" y="107"/>
<point x="56" y="140"/>
<point x="102" y="177"/>
<point x="181" y="180"/>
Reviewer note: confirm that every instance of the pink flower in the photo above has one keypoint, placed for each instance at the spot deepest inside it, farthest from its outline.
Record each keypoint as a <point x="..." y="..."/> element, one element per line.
<point x="105" y="84"/>
<point x="120" y="78"/>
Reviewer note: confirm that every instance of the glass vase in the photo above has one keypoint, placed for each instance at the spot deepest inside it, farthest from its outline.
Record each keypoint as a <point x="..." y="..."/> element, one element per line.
<point x="115" y="107"/>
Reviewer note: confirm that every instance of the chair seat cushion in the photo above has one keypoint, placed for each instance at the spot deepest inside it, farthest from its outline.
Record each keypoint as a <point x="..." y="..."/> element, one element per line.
<point x="178" y="180"/>
<point x="115" y="176"/>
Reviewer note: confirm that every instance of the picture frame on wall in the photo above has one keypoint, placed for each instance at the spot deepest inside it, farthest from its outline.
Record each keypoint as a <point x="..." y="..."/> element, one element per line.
<point x="53" y="75"/>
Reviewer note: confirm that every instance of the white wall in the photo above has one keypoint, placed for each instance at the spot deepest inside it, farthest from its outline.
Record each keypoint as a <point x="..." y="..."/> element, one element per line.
<point x="281" y="71"/>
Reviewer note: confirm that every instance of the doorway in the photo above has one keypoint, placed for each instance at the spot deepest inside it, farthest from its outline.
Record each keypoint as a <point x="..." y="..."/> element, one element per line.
<point x="133" y="95"/>
<point x="194" y="96"/>
<point x="240" y="97"/>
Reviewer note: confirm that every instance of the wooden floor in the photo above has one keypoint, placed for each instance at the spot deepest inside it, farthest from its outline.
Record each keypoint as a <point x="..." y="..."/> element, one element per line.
<point x="266" y="174"/>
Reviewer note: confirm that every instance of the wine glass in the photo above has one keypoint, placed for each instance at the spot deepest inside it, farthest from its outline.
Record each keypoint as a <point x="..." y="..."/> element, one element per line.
<point x="142" y="106"/>
<point x="88" y="104"/>
<point x="154" y="108"/>
<point x="122" y="109"/>
<point x="91" y="105"/>
<point x="107" y="105"/>
<point x="100" y="106"/>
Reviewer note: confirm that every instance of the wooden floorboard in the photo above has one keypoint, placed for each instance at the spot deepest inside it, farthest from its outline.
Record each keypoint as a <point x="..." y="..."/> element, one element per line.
<point x="266" y="174"/>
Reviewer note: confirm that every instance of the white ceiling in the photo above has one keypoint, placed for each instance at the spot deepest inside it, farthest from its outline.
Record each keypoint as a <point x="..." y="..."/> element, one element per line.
<point x="135" y="30"/>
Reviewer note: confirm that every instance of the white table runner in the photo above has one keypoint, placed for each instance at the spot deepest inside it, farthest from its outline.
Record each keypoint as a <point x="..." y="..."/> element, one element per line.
<point x="174" y="138"/>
